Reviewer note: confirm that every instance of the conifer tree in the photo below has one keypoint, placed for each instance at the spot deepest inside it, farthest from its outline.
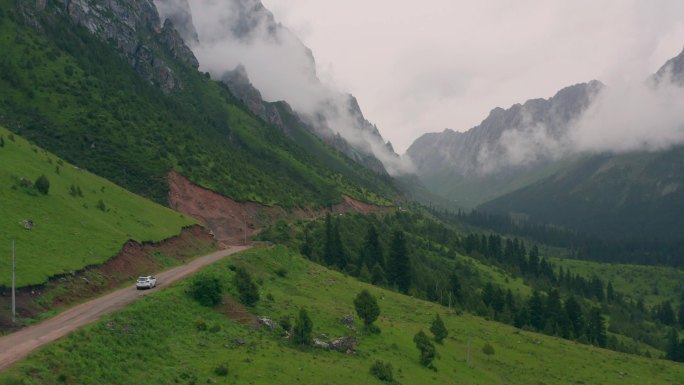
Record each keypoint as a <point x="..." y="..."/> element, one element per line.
<point x="339" y="253"/>
<point x="378" y="276"/>
<point x="328" y="253"/>
<point x="306" y="249"/>
<point x="426" y="347"/>
<point x="371" y="252"/>
<point x="610" y="293"/>
<point x="536" y="311"/>
<point x="533" y="261"/>
<point x="301" y="333"/>
<point x="399" y="265"/>
<point x="247" y="290"/>
<point x="438" y="329"/>
<point x="596" y="328"/>
<point x="367" y="308"/>
<point x="575" y="316"/>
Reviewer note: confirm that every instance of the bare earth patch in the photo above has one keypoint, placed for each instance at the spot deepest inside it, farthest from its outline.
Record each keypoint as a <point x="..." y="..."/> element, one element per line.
<point x="235" y="222"/>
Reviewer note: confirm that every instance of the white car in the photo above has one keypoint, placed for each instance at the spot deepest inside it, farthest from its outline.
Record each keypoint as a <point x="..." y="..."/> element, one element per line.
<point x="146" y="282"/>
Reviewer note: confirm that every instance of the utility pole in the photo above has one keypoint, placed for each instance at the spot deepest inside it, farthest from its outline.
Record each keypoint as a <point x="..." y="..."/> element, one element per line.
<point x="14" y="285"/>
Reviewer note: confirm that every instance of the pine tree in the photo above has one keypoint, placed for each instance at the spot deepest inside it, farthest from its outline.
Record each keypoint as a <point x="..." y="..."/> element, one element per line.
<point x="301" y="333"/>
<point x="307" y="250"/>
<point x="553" y="311"/>
<point x="328" y="247"/>
<point x="575" y="316"/>
<point x="372" y="252"/>
<point x="378" y="276"/>
<point x="42" y="184"/>
<point x="455" y="288"/>
<point x="426" y="347"/>
<point x="610" y="293"/>
<point x="681" y="314"/>
<point x="399" y="265"/>
<point x="367" y="308"/>
<point x="596" y="328"/>
<point x="339" y="253"/>
<point x="666" y="314"/>
<point x="533" y="261"/>
<point x="247" y="290"/>
<point x="674" y="347"/>
<point x="536" y="311"/>
<point x="438" y="329"/>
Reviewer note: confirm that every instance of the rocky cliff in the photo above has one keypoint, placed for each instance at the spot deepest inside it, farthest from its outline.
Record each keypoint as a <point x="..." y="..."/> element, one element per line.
<point x="134" y="27"/>
<point x="483" y="149"/>
<point x="334" y="117"/>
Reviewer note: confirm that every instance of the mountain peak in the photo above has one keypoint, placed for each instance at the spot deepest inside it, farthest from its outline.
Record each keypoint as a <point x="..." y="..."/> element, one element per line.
<point x="672" y="70"/>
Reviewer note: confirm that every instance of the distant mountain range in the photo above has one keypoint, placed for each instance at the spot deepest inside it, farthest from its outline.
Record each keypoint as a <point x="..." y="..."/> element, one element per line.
<point x="512" y="163"/>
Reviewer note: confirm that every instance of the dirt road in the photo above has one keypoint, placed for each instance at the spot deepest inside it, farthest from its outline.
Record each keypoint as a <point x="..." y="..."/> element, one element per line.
<point x="17" y="345"/>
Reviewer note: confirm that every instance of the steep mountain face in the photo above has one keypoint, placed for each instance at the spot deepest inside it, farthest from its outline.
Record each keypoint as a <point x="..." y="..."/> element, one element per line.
<point x="281" y="115"/>
<point x="491" y="159"/>
<point x="123" y="23"/>
<point x="104" y="85"/>
<point x="334" y="117"/>
<point x="672" y="70"/>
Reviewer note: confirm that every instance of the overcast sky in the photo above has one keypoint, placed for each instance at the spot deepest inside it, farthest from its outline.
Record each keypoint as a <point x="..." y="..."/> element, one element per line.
<point x="425" y="66"/>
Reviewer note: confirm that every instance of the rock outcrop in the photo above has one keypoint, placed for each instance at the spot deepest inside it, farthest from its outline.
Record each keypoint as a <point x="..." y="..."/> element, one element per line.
<point x="133" y="27"/>
<point x="480" y="150"/>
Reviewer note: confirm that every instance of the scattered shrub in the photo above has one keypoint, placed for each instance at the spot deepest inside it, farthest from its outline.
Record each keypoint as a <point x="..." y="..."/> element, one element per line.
<point x="488" y="350"/>
<point x="200" y="324"/>
<point x="101" y="205"/>
<point x="302" y="329"/>
<point x="281" y="272"/>
<point x="206" y="290"/>
<point x="285" y="323"/>
<point x="426" y="347"/>
<point x="438" y="329"/>
<point x="221" y="370"/>
<point x="382" y="371"/>
<point x="42" y="184"/>
<point x="215" y="329"/>
<point x="367" y="308"/>
<point x="248" y="291"/>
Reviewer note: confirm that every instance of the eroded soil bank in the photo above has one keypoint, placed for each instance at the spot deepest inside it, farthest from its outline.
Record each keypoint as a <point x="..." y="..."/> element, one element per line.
<point x="133" y="260"/>
<point x="232" y="222"/>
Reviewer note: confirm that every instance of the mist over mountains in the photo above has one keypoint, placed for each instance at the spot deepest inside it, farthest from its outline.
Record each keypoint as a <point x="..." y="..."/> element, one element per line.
<point x="240" y="42"/>
<point x="585" y="118"/>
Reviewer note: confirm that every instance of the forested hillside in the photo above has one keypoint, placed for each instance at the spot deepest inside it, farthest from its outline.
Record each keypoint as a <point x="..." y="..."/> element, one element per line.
<point x="80" y="97"/>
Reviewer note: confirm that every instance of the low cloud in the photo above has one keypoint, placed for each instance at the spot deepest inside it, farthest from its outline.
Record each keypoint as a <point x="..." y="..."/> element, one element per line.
<point x="243" y="32"/>
<point x="621" y="118"/>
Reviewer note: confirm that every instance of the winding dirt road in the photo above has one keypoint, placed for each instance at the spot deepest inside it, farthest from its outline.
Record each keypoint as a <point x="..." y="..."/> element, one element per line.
<point x="17" y="345"/>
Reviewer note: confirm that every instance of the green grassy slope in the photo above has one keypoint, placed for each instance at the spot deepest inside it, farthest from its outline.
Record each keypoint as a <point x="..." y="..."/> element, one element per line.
<point x="156" y="339"/>
<point x="70" y="232"/>
<point x="653" y="284"/>
<point x="75" y="96"/>
<point x="624" y="197"/>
